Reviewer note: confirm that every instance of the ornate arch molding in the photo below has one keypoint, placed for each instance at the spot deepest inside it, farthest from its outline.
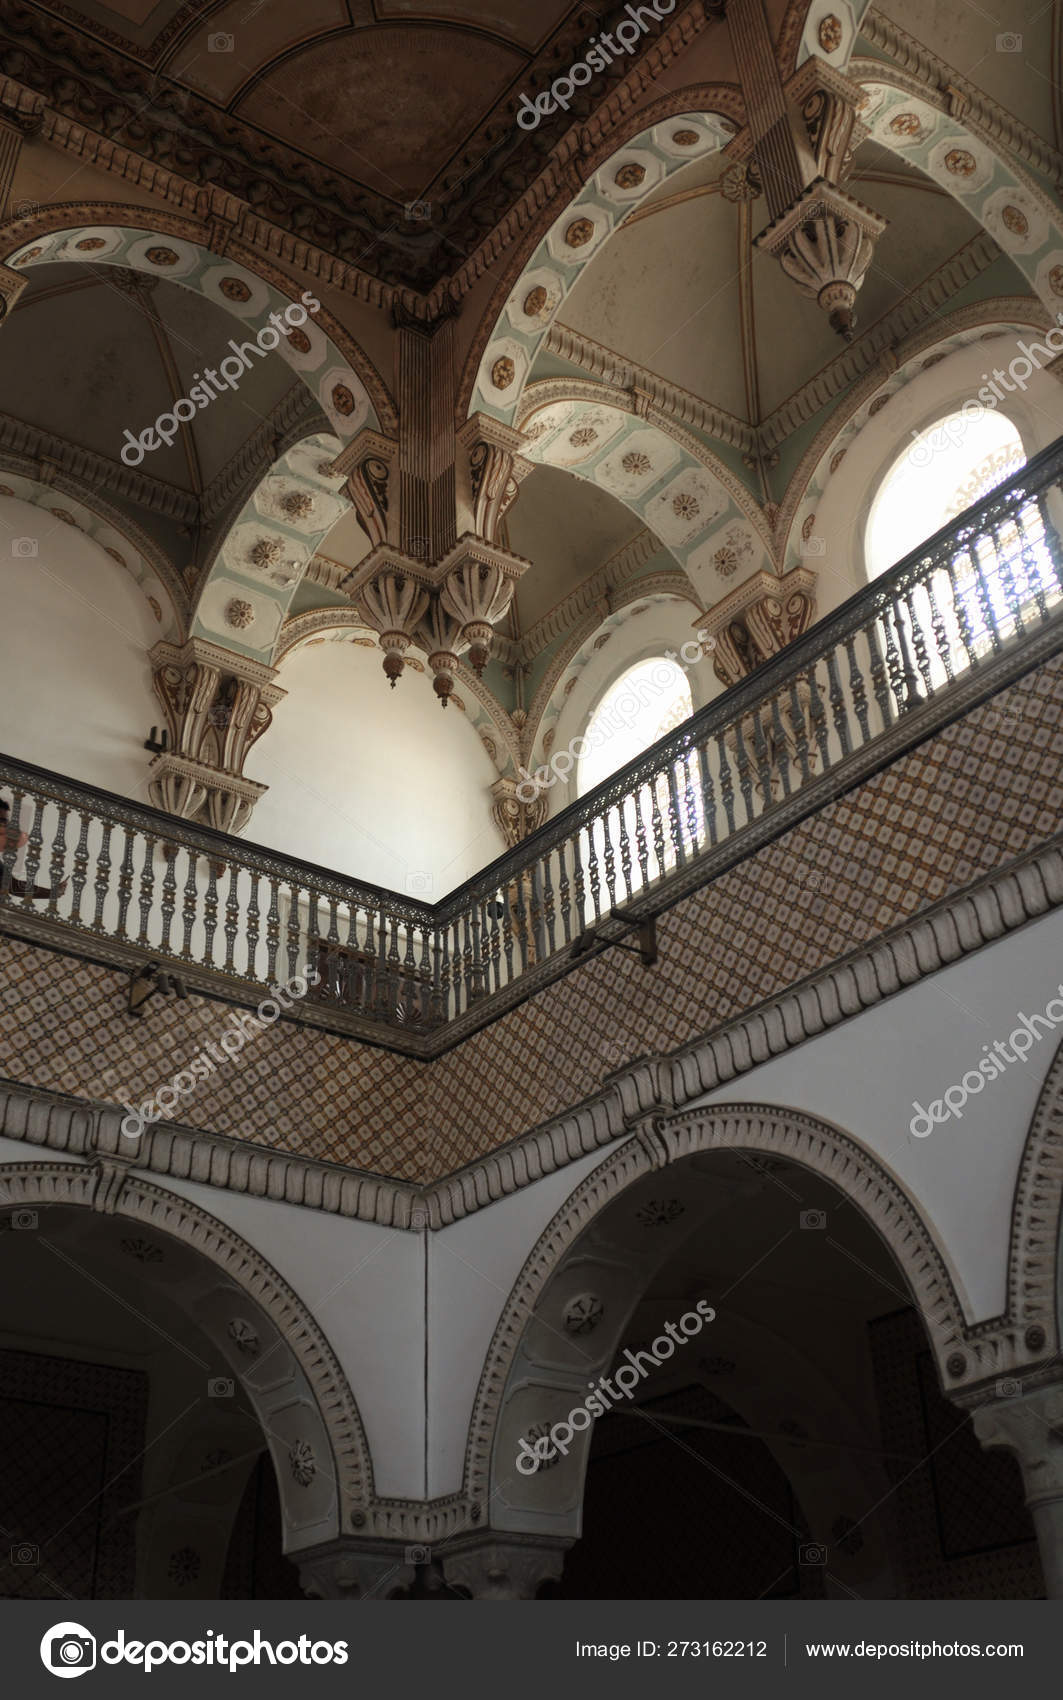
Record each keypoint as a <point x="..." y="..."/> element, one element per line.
<point x="668" y="478"/>
<point x="661" y="1141"/>
<point x="117" y="535"/>
<point x="128" y="231"/>
<point x="109" y="1187"/>
<point x="554" y="255"/>
<point x="493" y="725"/>
<point x="256" y="571"/>
<point x="939" y="135"/>
<point x="823" y="457"/>
<point x="1031" y="1324"/>
<point x="582" y="643"/>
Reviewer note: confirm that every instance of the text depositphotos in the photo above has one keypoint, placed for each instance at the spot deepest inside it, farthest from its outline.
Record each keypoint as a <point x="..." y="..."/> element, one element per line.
<point x="601" y="51"/>
<point x="202" y="393"/>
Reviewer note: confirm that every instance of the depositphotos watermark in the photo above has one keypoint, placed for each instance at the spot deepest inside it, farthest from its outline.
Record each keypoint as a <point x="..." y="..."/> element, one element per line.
<point x="543" y="1451"/>
<point x="618" y="718"/>
<point x="1004" y="380"/>
<point x="601" y="51"/>
<point x="989" y="1068"/>
<point x="234" y="1038"/>
<point x="69" y="1649"/>
<point x="202" y="393"/>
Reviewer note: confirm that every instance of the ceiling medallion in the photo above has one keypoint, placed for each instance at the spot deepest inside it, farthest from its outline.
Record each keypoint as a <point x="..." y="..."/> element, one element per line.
<point x="503" y="372"/>
<point x="266" y="552"/>
<point x="235" y="289"/>
<point x="636" y="463"/>
<point x="28" y="256"/>
<point x="535" y="301"/>
<point x="685" y="507"/>
<point x="1015" y="221"/>
<point x="658" y="1213"/>
<point x="583" y="1314"/>
<point x="583" y="437"/>
<point x="579" y="232"/>
<point x="1055" y="280"/>
<point x="906" y="124"/>
<point x="302" y="1463"/>
<point x="960" y="162"/>
<point x="808" y="527"/>
<point x="837" y="459"/>
<point x="343" y="400"/>
<point x="298" y="504"/>
<point x="685" y="138"/>
<point x="630" y="176"/>
<point x="829" y="34"/>
<point x="239" y="614"/>
<point x="161" y="257"/>
<point x="90" y="244"/>
<point x="877" y="405"/>
<point x="740" y="182"/>
<point x="299" y="341"/>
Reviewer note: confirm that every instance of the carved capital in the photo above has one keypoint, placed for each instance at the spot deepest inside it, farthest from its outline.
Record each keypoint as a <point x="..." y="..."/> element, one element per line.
<point x="12" y="283"/>
<point x="513" y="1568"/>
<point x="1029" y="1425"/>
<point x="354" y="1570"/>
<point x="758" y="619"/>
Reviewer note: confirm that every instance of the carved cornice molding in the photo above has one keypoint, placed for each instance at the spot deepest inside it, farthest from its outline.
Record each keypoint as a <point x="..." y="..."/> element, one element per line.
<point x="593" y="592"/>
<point x="940" y="82"/>
<point x="678" y="404"/>
<point x="295" y="416"/>
<point x="97" y="472"/>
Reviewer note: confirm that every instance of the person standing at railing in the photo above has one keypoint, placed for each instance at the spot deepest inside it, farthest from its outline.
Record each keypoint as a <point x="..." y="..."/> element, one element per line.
<point x="17" y="886"/>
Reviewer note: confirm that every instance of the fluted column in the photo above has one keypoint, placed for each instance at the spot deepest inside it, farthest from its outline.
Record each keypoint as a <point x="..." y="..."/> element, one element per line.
<point x="1030" y="1426"/>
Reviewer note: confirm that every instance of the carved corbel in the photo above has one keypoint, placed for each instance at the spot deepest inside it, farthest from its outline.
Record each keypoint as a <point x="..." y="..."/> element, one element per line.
<point x="515" y="818"/>
<point x="217" y="705"/>
<point x="368" y="462"/>
<point x="494" y="473"/>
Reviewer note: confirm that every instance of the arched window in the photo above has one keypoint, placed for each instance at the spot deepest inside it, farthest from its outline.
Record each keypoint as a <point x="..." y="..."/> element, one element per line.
<point x="638" y="708"/>
<point x="942" y="472"/>
<point x="644" y="704"/>
<point x="945" y="469"/>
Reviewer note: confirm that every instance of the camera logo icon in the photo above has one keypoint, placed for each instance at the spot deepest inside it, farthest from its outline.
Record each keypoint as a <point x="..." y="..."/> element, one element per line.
<point x="812" y="1553"/>
<point x="813" y="1218"/>
<point x="67" y="1649"/>
<point x="220" y="1387"/>
<point x="24" y="546"/>
<point x="219" y="42"/>
<point x="1009" y="42"/>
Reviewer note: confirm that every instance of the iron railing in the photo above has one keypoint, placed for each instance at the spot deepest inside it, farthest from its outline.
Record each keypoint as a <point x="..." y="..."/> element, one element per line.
<point x="970" y="610"/>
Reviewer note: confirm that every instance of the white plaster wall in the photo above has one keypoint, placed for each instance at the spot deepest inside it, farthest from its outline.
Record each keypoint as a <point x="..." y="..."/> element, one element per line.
<point x="381" y="784"/>
<point x="666" y="625"/>
<point x="472" y="1266"/>
<point x="75" y="681"/>
<point x="363" y="1284"/>
<point x="841" y="517"/>
<point x="865" y="1076"/>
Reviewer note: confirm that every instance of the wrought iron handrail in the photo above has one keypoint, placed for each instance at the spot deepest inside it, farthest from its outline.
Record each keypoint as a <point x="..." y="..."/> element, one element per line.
<point x="957" y="618"/>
